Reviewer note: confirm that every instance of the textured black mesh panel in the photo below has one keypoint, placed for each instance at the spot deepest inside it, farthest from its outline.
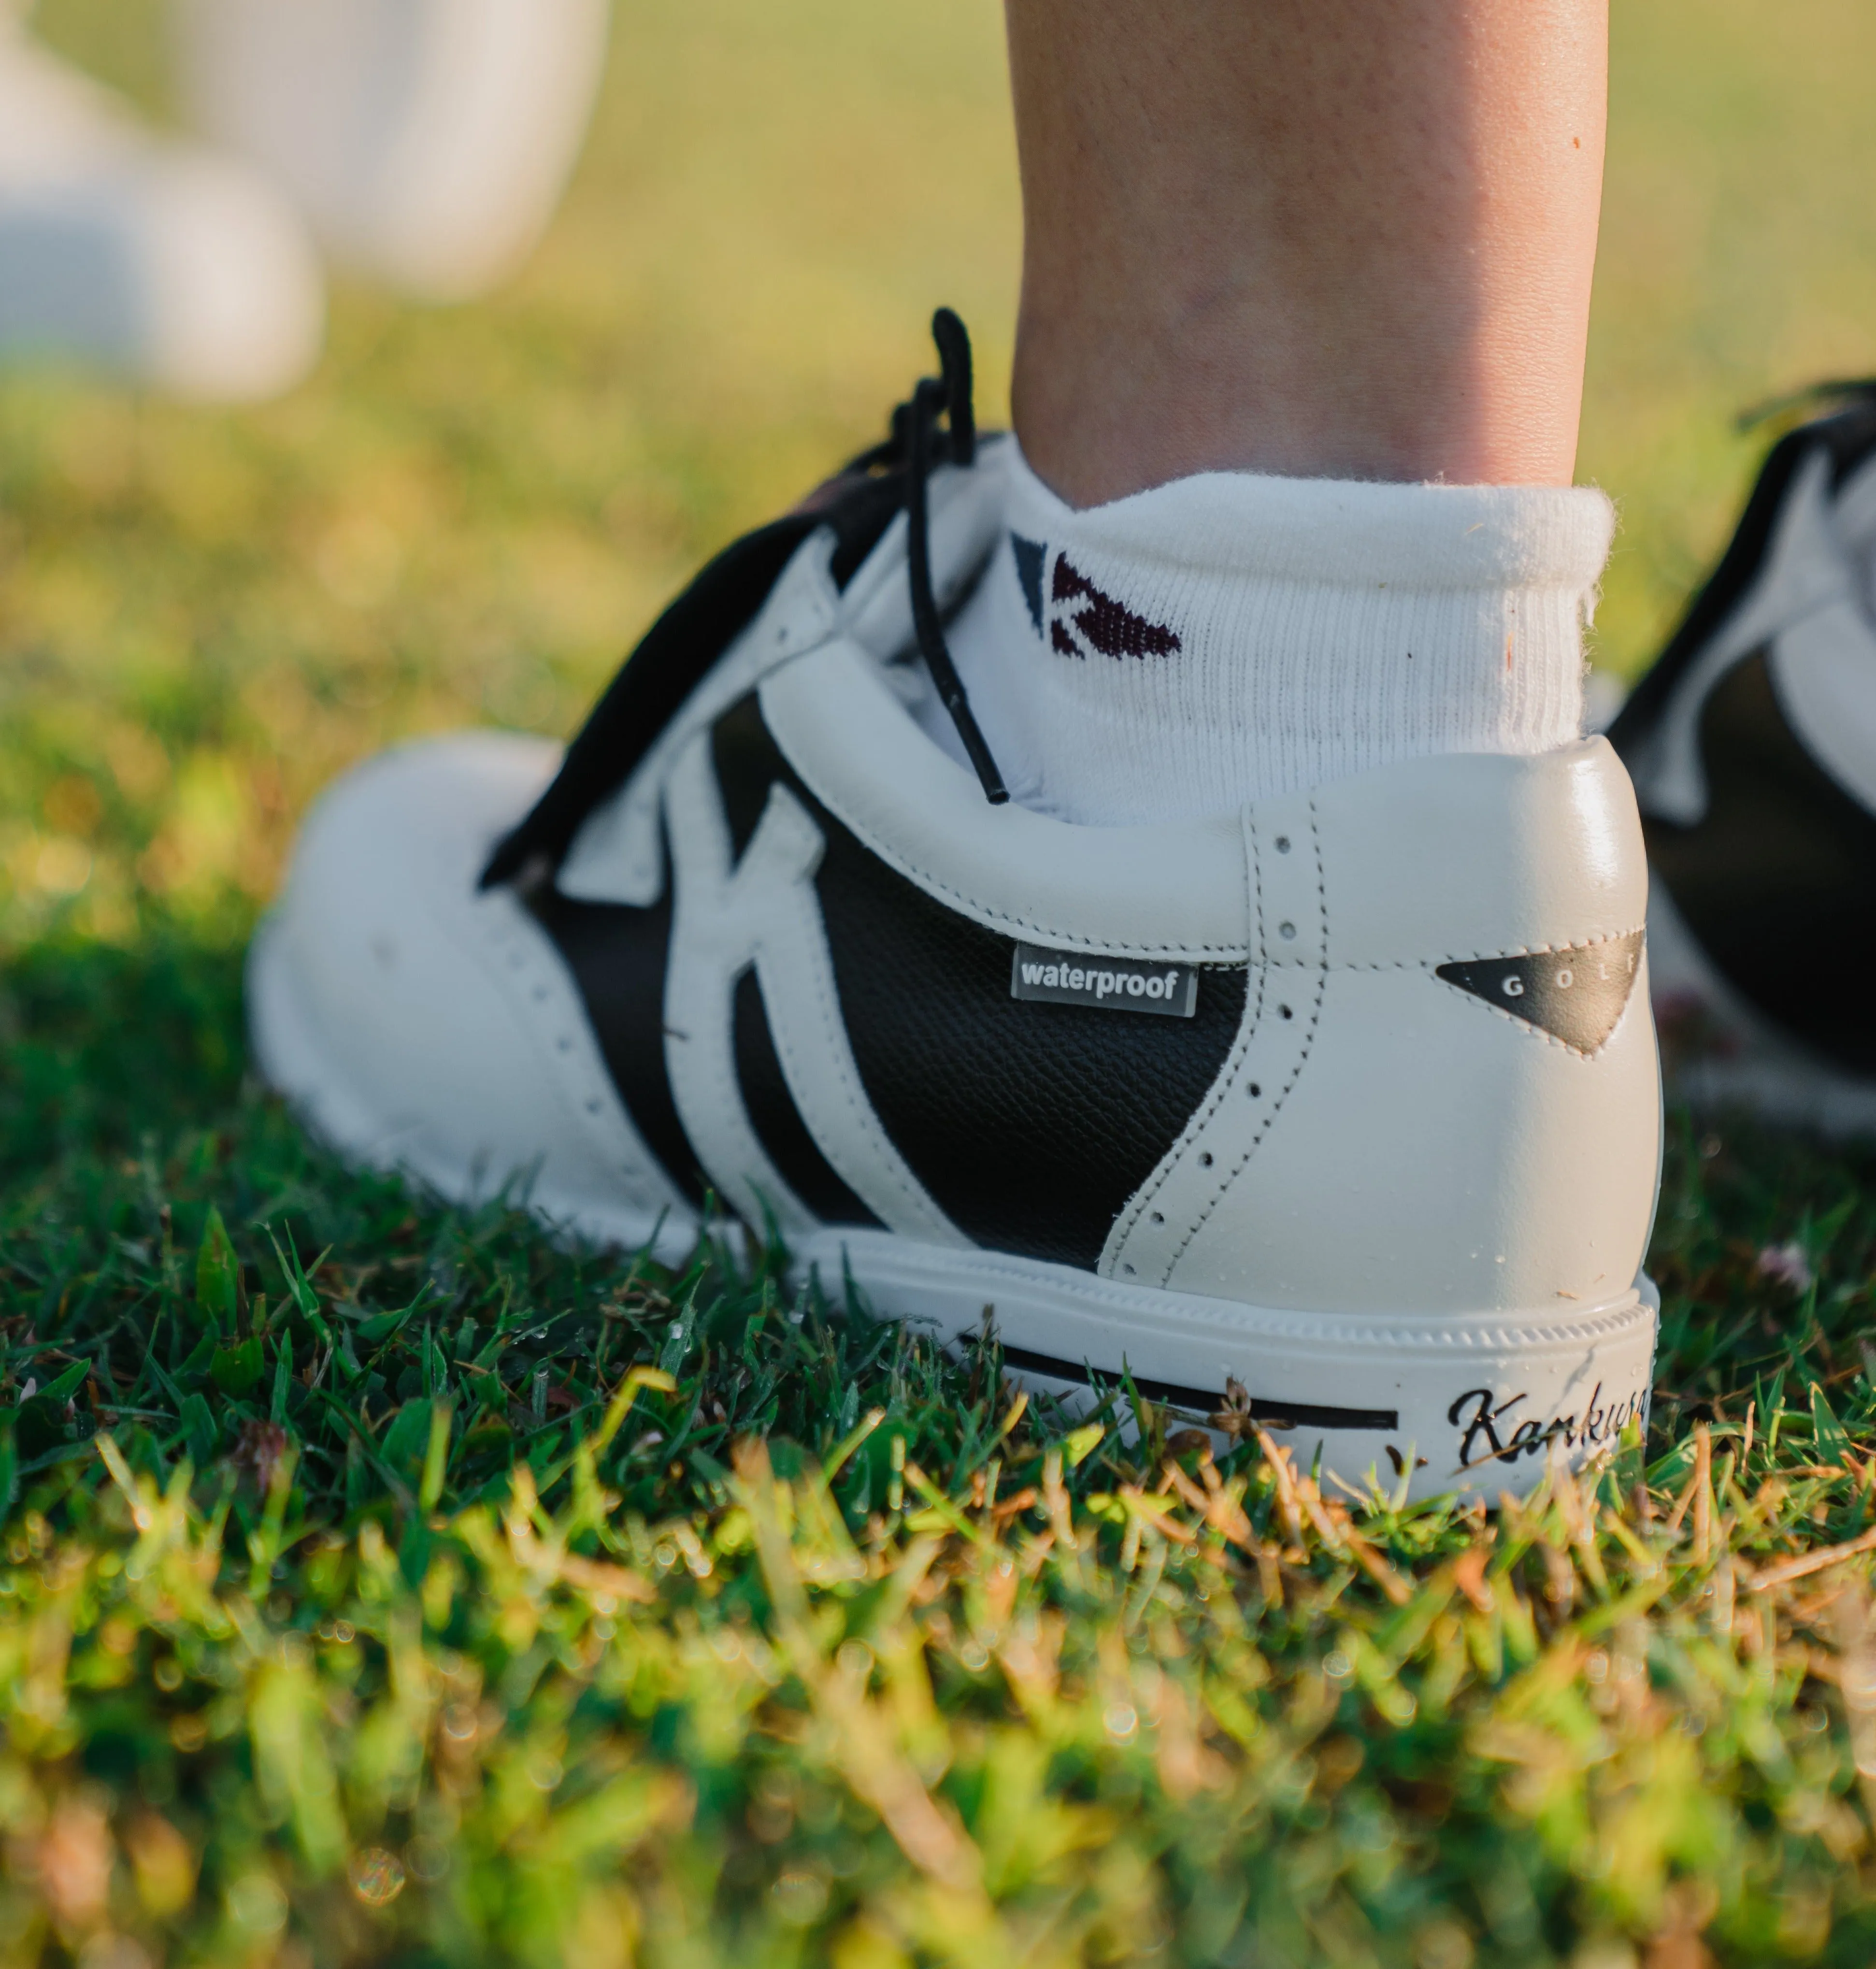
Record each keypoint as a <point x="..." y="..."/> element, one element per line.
<point x="1031" y="1125"/>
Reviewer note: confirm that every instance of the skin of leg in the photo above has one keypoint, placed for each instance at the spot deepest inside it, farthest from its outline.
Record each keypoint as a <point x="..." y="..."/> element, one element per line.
<point x="1344" y="238"/>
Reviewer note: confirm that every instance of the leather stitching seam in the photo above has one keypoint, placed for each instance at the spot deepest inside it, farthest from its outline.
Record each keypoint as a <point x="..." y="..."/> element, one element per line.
<point x="1307" y="1041"/>
<point x="935" y="886"/>
<point x="1227" y="1077"/>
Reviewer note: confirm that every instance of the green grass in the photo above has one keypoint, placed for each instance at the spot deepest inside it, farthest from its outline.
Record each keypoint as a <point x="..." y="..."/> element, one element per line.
<point x="382" y="1584"/>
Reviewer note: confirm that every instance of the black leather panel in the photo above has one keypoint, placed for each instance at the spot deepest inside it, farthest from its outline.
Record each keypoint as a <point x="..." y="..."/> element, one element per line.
<point x="680" y="649"/>
<point x="1577" y="994"/>
<point x="678" y="652"/>
<point x="617" y="956"/>
<point x="1030" y="1125"/>
<point x="777" y="1120"/>
<point x="1777" y="880"/>
<point x="744" y="756"/>
<point x="1847" y="438"/>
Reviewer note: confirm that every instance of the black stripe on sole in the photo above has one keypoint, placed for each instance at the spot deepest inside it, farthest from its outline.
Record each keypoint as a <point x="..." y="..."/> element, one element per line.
<point x="1261" y="1408"/>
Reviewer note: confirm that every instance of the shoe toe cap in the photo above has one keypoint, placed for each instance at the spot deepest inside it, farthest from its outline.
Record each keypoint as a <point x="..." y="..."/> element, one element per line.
<point x="416" y="1022"/>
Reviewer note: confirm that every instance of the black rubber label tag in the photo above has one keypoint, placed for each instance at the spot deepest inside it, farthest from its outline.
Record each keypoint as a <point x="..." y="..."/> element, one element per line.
<point x="1114" y="983"/>
<point x="1576" y="995"/>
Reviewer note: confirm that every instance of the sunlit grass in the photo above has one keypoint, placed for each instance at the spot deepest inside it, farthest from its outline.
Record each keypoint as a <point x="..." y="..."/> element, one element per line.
<point x="386" y="1585"/>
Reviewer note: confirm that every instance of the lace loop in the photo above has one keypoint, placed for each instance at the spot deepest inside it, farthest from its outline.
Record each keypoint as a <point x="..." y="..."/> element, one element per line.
<point x="918" y="422"/>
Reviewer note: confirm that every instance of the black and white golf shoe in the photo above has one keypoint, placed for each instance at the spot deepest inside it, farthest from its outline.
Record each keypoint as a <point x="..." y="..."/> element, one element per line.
<point x="1753" y="745"/>
<point x="1339" y="1112"/>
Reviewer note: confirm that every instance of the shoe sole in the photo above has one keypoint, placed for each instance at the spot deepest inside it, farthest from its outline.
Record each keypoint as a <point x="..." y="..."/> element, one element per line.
<point x="1723" y="1054"/>
<point x="1448" y="1402"/>
<point x="1472" y="1402"/>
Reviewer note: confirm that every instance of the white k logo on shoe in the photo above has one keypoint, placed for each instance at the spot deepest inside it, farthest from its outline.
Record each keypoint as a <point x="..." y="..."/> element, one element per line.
<point x="763" y="910"/>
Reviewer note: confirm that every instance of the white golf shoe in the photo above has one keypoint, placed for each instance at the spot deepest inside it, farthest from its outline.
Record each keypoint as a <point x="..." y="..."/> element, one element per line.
<point x="1338" y="1114"/>
<point x="1753" y="745"/>
<point x="155" y="260"/>
<point x="429" y="141"/>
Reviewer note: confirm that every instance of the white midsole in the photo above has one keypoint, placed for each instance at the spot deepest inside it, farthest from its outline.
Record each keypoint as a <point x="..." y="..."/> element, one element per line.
<point x="1472" y="1401"/>
<point x="1476" y="1399"/>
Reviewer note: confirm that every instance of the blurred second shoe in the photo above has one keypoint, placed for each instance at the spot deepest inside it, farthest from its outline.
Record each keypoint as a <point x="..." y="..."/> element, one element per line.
<point x="156" y="260"/>
<point x="428" y="141"/>
<point x="1752" y="744"/>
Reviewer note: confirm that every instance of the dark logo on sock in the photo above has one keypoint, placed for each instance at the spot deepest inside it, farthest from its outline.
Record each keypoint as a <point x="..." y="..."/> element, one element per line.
<point x="1576" y="995"/>
<point x="1079" y="619"/>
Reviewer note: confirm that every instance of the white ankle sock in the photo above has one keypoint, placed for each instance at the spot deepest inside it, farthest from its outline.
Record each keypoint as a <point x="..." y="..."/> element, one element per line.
<point x="1232" y="635"/>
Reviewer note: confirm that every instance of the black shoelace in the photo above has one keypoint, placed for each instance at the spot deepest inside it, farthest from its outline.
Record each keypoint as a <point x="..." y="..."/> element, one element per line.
<point x="915" y="427"/>
<point x="677" y="651"/>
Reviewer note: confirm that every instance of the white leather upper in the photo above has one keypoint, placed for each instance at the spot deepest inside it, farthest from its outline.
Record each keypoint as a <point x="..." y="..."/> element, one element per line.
<point x="1824" y="669"/>
<point x="1406" y="1142"/>
<point x="426" y="1025"/>
<point x="1018" y="873"/>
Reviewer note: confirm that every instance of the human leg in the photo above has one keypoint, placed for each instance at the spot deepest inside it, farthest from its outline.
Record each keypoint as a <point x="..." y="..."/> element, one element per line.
<point x="1274" y="257"/>
<point x="1343" y="238"/>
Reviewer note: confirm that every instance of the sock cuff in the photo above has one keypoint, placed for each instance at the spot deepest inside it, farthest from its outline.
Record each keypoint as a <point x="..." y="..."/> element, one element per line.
<point x="1337" y="531"/>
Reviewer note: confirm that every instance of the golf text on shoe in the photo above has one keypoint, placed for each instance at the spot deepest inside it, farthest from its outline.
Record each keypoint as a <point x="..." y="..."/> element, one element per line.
<point x="1116" y="984"/>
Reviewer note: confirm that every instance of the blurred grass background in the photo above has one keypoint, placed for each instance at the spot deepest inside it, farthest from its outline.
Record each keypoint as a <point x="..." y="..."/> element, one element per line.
<point x="468" y="514"/>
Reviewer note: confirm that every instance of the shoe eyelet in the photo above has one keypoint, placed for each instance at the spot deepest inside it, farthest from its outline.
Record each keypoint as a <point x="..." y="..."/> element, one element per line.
<point x="1284" y="1011"/>
<point x="1159" y="1217"/>
<point x="1288" y="932"/>
<point x="1128" y="1270"/>
<point x="1283" y="844"/>
<point x="1205" y="1159"/>
<point x="1255" y="1091"/>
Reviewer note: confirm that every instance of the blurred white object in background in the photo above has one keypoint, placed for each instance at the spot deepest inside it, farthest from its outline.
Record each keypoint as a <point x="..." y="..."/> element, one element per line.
<point x="427" y="141"/>
<point x="154" y="258"/>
